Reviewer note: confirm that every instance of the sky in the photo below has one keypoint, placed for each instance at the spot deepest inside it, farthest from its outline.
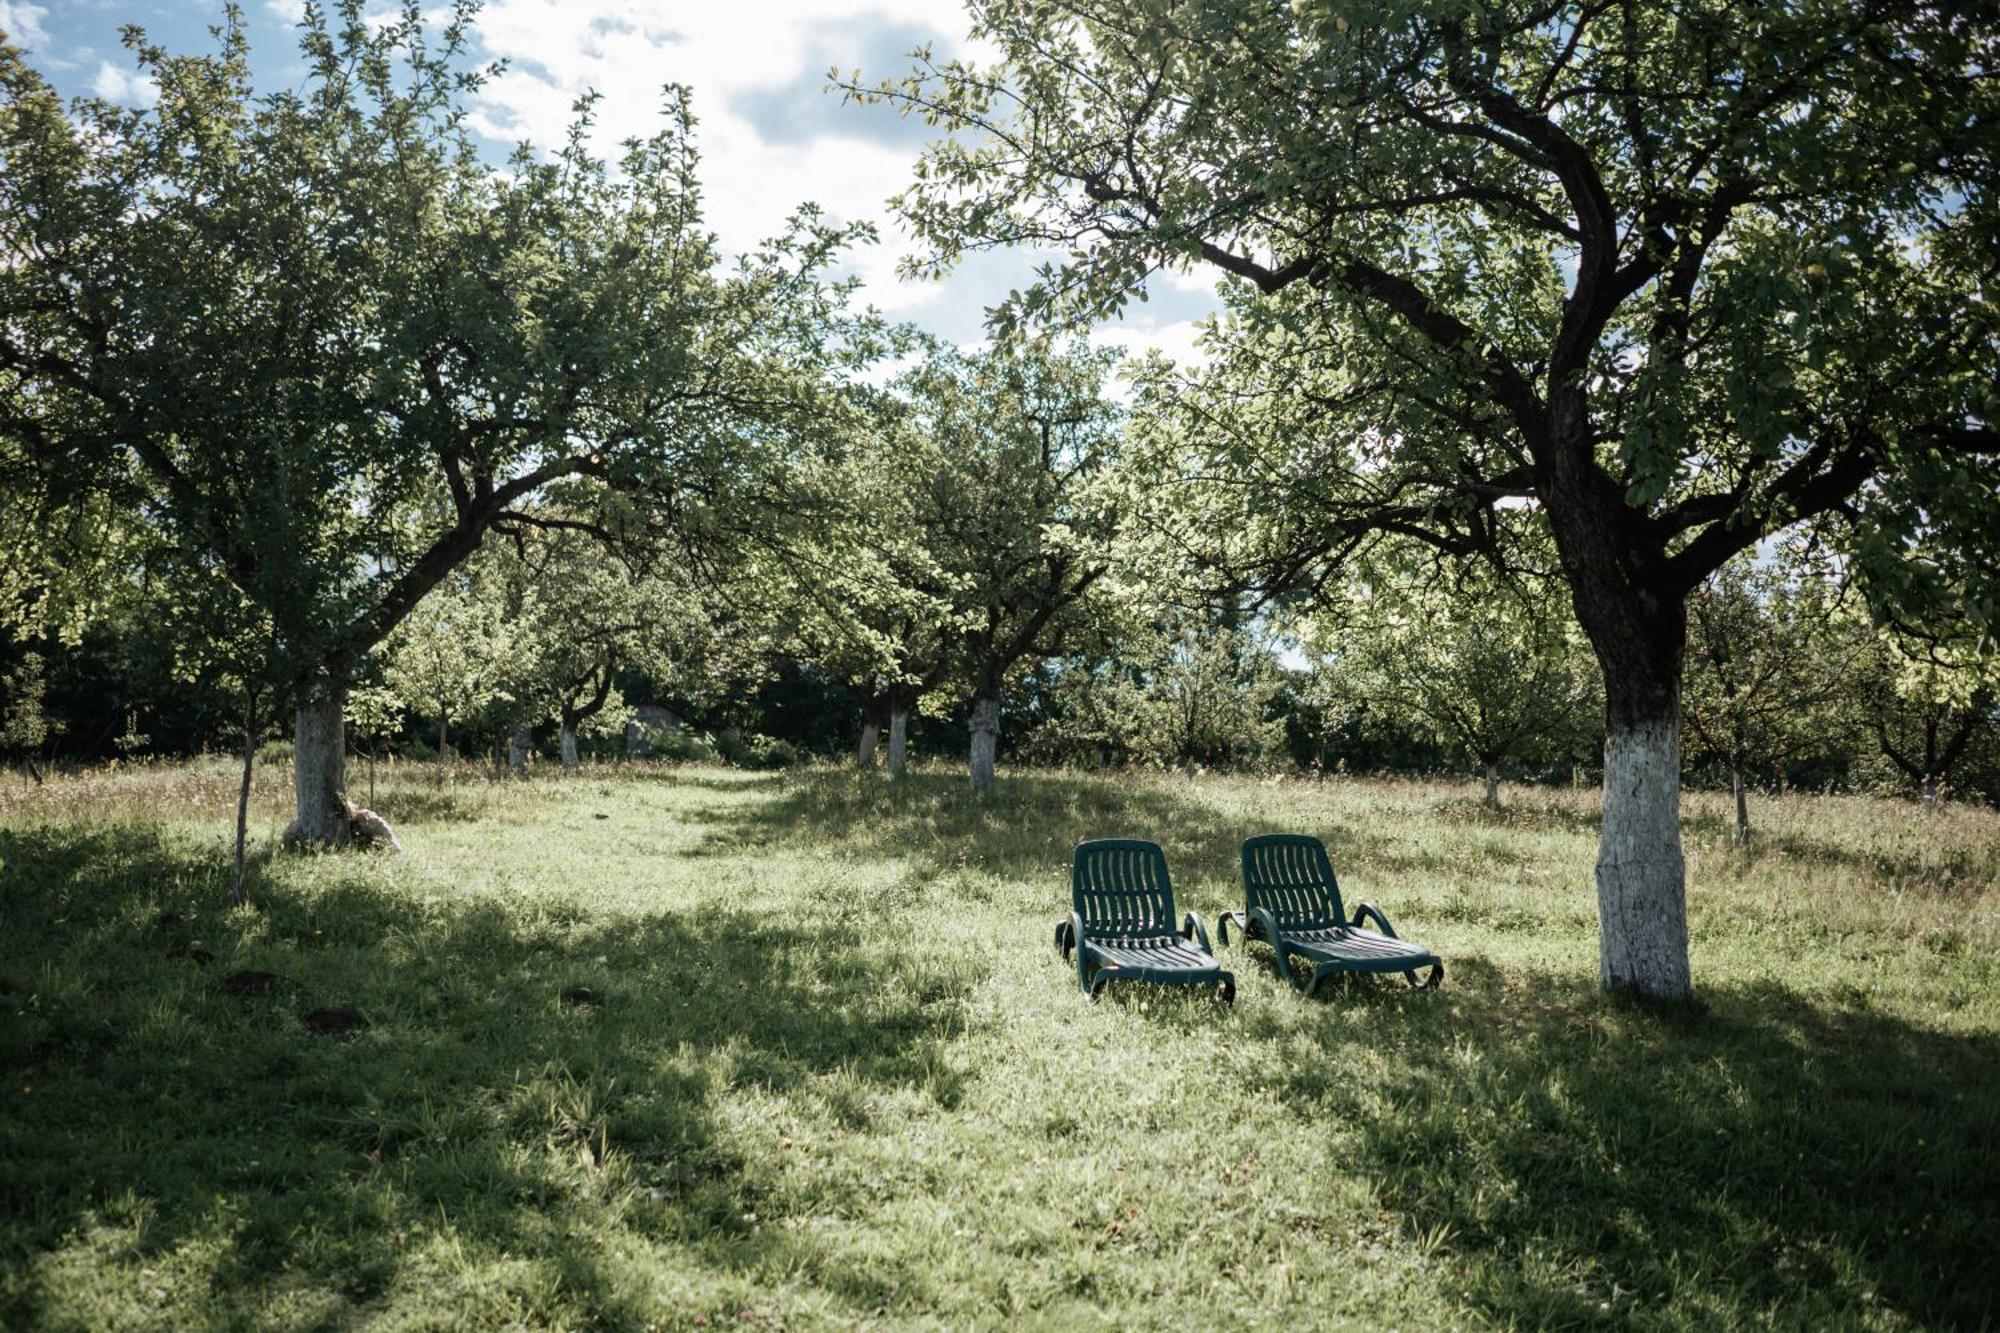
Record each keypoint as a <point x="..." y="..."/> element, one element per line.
<point x="772" y="136"/>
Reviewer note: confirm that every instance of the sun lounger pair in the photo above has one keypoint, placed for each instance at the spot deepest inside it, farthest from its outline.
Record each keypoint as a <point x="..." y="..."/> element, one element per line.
<point x="1121" y="923"/>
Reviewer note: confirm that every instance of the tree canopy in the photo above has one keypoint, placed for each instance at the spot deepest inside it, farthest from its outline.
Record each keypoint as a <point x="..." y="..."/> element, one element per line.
<point x="324" y="349"/>
<point x="1657" y="278"/>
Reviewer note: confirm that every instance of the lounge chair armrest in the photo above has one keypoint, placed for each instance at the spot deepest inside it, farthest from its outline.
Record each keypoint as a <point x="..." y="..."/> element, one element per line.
<point x="1069" y="935"/>
<point x="1193" y="929"/>
<point x="1231" y="917"/>
<point x="1367" y="910"/>
<point x="1265" y="923"/>
<point x="1075" y="928"/>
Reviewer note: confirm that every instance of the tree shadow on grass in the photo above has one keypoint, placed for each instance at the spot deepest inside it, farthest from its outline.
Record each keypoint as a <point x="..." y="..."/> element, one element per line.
<point x="1526" y="808"/>
<point x="518" y="1076"/>
<point x="427" y="805"/>
<point x="704" y="778"/>
<point x="1581" y="1162"/>
<point x="1027" y="831"/>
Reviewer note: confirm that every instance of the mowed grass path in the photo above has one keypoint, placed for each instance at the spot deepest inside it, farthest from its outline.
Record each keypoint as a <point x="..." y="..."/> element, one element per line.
<point x="686" y="1047"/>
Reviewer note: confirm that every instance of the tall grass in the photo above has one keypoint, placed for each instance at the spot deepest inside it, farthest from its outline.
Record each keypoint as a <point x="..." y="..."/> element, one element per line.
<point x="675" y="1048"/>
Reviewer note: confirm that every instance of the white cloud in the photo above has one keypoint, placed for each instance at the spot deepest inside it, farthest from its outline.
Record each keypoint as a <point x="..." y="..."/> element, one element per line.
<point x="127" y="86"/>
<point x="22" y="22"/>
<point x="770" y="139"/>
<point x="1200" y="280"/>
<point x="1177" y="340"/>
<point x="287" y="11"/>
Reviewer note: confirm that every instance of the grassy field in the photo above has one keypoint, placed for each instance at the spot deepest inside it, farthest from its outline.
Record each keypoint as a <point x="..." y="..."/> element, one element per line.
<point x="691" y="1047"/>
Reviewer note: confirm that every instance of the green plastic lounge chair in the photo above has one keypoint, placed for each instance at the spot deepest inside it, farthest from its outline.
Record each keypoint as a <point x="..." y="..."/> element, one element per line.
<point x="1121" y="923"/>
<point x="1293" y="904"/>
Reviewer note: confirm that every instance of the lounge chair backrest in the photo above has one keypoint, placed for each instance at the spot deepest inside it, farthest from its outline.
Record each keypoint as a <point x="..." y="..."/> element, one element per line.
<point x="1119" y="886"/>
<point x="1289" y="876"/>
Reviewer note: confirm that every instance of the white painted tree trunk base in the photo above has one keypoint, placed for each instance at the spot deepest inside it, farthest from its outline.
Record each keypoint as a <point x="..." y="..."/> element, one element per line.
<point x="569" y="755"/>
<point x="1492" y="787"/>
<point x="319" y="772"/>
<point x="1641" y="877"/>
<point x="985" y="745"/>
<point x="899" y="741"/>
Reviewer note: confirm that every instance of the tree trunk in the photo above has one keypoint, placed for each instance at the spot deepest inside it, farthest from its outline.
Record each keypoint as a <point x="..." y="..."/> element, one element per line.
<point x="444" y="742"/>
<point x="1635" y="614"/>
<point x="899" y="739"/>
<point x="1927" y="788"/>
<point x="985" y="743"/>
<point x="319" y="769"/>
<point x="518" y="749"/>
<point x="1741" y="837"/>
<point x="1492" y="785"/>
<point x="243" y="799"/>
<point x="864" y="753"/>
<point x="575" y="713"/>
<point x="1641" y="877"/>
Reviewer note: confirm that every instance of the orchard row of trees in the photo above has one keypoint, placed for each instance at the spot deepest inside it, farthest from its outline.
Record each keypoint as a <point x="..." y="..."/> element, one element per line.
<point x="544" y="641"/>
<point x="1545" y="329"/>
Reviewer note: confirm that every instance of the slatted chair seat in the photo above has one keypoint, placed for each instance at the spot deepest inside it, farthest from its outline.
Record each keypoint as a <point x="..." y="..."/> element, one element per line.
<point x="1292" y="902"/>
<point x="1169" y="954"/>
<point x="1362" y="950"/>
<point x="1120" y="925"/>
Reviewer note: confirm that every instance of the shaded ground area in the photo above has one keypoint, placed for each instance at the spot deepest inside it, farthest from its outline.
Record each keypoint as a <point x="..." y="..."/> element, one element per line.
<point x="678" y="1046"/>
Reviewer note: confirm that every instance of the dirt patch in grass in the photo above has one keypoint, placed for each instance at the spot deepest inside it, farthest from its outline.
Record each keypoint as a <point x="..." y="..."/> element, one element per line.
<point x="250" y="984"/>
<point x="334" y="1022"/>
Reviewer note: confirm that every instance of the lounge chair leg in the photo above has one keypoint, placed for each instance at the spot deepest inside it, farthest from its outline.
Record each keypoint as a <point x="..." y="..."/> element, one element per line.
<point x="1432" y="982"/>
<point x="1324" y="974"/>
<point x="1226" y="987"/>
<point x="1098" y="982"/>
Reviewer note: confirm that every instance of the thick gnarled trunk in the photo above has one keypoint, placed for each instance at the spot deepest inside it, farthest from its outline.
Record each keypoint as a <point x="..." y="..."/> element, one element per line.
<point x="985" y="744"/>
<point x="519" y="747"/>
<point x="569" y="754"/>
<point x="899" y="740"/>
<point x="319" y="769"/>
